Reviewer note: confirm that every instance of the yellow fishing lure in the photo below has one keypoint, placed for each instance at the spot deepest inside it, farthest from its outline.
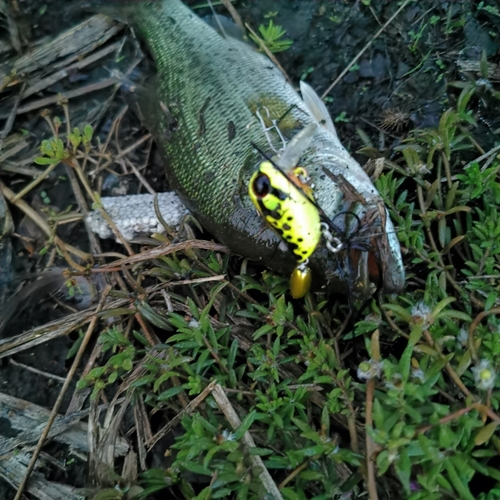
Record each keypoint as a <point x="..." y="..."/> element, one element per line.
<point x="291" y="213"/>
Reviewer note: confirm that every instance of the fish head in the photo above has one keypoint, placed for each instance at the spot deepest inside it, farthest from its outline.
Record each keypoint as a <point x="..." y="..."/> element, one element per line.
<point x="339" y="227"/>
<point x="359" y="251"/>
<point x="361" y="255"/>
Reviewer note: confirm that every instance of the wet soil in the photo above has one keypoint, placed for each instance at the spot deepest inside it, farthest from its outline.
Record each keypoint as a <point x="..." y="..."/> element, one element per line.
<point x="399" y="83"/>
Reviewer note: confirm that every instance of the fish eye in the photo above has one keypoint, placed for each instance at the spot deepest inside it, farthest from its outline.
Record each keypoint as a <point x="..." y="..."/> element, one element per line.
<point x="261" y="185"/>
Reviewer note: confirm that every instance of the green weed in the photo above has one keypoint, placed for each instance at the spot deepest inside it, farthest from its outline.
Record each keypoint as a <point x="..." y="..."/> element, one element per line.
<point x="272" y="37"/>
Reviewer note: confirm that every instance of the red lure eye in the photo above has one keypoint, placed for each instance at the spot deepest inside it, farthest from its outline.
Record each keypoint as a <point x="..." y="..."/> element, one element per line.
<point x="261" y="185"/>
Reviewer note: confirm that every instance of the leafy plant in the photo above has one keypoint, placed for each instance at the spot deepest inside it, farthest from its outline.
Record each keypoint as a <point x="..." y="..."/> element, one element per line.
<point x="272" y="37"/>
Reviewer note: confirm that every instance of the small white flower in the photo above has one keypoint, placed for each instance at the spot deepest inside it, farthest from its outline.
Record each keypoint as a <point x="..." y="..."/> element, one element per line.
<point x="483" y="82"/>
<point x="463" y="336"/>
<point x="194" y="323"/>
<point x="422" y="313"/>
<point x="484" y="375"/>
<point x="392" y="455"/>
<point x="335" y="451"/>
<point x="422" y="169"/>
<point x="227" y="435"/>
<point x="369" y="369"/>
<point x="418" y="374"/>
<point x="396" y="382"/>
<point x="375" y="318"/>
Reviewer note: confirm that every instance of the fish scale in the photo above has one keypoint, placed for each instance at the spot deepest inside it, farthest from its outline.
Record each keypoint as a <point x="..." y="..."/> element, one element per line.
<point x="209" y="89"/>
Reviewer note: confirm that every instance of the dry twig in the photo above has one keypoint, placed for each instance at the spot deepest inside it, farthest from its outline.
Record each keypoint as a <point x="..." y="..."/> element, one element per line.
<point x="269" y="54"/>
<point x="232" y="417"/>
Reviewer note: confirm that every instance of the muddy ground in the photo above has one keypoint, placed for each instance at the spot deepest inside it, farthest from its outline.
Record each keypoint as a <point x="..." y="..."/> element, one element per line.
<point x="401" y="82"/>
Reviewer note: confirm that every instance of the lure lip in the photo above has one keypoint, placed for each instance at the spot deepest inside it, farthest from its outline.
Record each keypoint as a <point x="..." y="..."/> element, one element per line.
<point x="300" y="281"/>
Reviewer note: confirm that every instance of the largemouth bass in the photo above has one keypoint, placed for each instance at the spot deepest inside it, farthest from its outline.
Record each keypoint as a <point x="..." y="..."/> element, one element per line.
<point x="218" y="102"/>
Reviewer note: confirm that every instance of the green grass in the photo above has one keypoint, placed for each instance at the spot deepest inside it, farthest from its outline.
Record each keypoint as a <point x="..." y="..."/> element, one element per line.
<point x="272" y="37"/>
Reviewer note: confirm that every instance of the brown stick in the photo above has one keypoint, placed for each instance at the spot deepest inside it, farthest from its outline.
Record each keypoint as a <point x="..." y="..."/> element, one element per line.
<point x="42" y="224"/>
<point x="232" y="417"/>
<point x="370" y="393"/>
<point x="47" y="101"/>
<point x="161" y="251"/>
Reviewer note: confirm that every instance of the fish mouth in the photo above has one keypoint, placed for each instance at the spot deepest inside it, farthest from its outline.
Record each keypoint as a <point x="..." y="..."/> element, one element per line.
<point x="368" y="251"/>
<point x="367" y="255"/>
<point x="385" y="255"/>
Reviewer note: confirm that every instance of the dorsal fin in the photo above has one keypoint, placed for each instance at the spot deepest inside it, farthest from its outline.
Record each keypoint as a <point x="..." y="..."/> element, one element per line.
<point x="317" y="107"/>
